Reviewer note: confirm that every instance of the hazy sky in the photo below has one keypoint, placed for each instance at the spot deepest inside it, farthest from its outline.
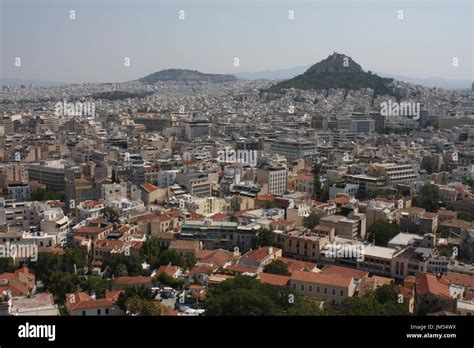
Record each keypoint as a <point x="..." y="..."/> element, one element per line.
<point x="93" y="46"/>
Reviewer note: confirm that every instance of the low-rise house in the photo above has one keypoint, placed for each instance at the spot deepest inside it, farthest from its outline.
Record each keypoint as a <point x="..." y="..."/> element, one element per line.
<point x="81" y="304"/>
<point x="185" y="247"/>
<point x="260" y="257"/>
<point x="105" y="248"/>
<point x="273" y="279"/>
<point x="136" y="281"/>
<point x="172" y="271"/>
<point x="432" y="294"/>
<point x="331" y="287"/>
<point x="95" y="230"/>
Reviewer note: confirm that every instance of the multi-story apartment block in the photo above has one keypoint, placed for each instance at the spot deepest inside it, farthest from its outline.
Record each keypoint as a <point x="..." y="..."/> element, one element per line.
<point x="275" y="177"/>
<point x="293" y="148"/>
<point x="393" y="173"/>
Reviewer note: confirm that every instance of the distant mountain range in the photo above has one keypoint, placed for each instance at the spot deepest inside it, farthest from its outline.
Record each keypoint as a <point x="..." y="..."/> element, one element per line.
<point x="278" y="74"/>
<point x="432" y="81"/>
<point x="185" y="75"/>
<point x="39" y="83"/>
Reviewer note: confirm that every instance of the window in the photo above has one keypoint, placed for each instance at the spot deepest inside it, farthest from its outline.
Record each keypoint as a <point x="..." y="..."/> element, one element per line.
<point x="341" y="293"/>
<point x="106" y="311"/>
<point x="302" y="287"/>
<point x="325" y="290"/>
<point x="333" y="292"/>
<point x="311" y="288"/>
<point x="98" y="312"/>
<point x="83" y="313"/>
<point x="317" y="289"/>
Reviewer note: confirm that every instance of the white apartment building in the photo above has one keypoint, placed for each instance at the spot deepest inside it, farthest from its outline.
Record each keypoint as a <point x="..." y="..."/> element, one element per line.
<point x="275" y="177"/>
<point x="394" y="173"/>
<point x="293" y="149"/>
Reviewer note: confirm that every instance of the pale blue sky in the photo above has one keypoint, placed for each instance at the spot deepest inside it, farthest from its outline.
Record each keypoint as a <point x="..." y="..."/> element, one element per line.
<point x="92" y="47"/>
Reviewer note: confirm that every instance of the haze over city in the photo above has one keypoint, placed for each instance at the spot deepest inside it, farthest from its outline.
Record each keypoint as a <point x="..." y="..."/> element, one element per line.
<point x="210" y="34"/>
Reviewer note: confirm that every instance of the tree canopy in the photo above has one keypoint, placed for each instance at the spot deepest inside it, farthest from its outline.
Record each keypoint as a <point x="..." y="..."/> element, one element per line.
<point x="382" y="301"/>
<point x="245" y="295"/>
<point x="277" y="267"/>
<point x="311" y="221"/>
<point x="382" y="231"/>
<point x="428" y="198"/>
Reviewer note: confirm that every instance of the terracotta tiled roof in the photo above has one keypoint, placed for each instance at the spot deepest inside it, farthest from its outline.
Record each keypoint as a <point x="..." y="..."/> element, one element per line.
<point x="112" y="296"/>
<point x="241" y="269"/>
<point x="344" y="271"/>
<point x="459" y="279"/>
<point x="273" y="279"/>
<point x="149" y="187"/>
<point x="322" y="278"/>
<point x="297" y="265"/>
<point x="260" y="254"/>
<point x="81" y="301"/>
<point x="168" y="269"/>
<point x="7" y="276"/>
<point x="132" y="280"/>
<point x="429" y="283"/>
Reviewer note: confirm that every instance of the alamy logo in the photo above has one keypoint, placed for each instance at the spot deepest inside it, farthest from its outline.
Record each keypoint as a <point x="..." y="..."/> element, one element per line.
<point x="344" y="251"/>
<point x="75" y="109"/>
<point x="20" y="251"/>
<point x="249" y="157"/>
<point x="400" y="109"/>
<point x="37" y="331"/>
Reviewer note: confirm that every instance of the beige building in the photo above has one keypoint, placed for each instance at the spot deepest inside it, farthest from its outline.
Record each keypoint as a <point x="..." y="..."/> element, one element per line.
<point x="330" y="287"/>
<point x="185" y="247"/>
<point x="343" y="226"/>
<point x="306" y="245"/>
<point x="160" y="224"/>
<point x="377" y="260"/>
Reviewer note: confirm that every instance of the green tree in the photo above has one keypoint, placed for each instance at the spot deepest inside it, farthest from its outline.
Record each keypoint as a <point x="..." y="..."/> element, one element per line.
<point x="382" y="232"/>
<point x="75" y="256"/>
<point x="47" y="194"/>
<point x="382" y="301"/>
<point x="466" y="216"/>
<point x="61" y="284"/>
<point x="141" y="292"/>
<point x="167" y="280"/>
<point x="122" y="265"/>
<point x="317" y="187"/>
<point x="151" y="250"/>
<point x="172" y="257"/>
<point x="306" y="307"/>
<point x="311" y="221"/>
<point x="264" y="237"/>
<point x="428" y="198"/>
<point x="121" y="270"/>
<point x="386" y="293"/>
<point x="7" y="265"/>
<point x="110" y="214"/>
<point x="190" y="260"/>
<point x="277" y="267"/>
<point x="44" y="267"/>
<point x="96" y="285"/>
<point x="245" y="295"/>
<point x="141" y="307"/>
